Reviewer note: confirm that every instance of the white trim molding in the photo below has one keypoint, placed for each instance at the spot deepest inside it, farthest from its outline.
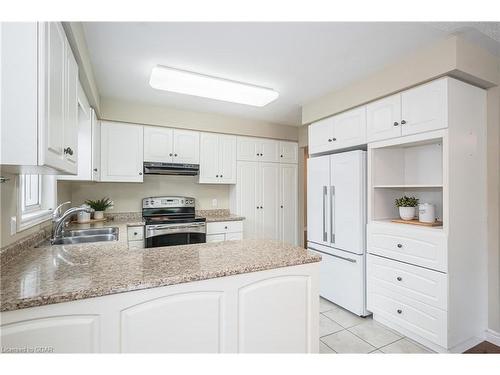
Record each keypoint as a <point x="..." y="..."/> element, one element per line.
<point x="493" y="337"/>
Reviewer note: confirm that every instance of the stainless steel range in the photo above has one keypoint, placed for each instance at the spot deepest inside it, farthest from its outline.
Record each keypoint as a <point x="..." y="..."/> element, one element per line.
<point x="172" y="221"/>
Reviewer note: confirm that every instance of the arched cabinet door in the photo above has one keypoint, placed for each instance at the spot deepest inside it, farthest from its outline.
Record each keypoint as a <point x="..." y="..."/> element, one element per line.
<point x="274" y="316"/>
<point x="179" y="323"/>
<point x="56" y="334"/>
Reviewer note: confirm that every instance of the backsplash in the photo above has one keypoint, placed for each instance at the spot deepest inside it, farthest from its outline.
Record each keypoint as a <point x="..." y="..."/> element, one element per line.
<point x="127" y="197"/>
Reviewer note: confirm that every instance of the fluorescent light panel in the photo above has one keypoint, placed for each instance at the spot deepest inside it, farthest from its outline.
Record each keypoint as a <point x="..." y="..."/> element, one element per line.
<point x="189" y="83"/>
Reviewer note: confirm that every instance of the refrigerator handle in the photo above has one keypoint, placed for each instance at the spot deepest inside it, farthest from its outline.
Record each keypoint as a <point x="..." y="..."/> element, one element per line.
<point x="332" y="214"/>
<point x="325" y="234"/>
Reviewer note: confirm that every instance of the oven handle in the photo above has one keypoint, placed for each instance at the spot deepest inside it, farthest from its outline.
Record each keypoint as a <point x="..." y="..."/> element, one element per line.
<point x="158" y="230"/>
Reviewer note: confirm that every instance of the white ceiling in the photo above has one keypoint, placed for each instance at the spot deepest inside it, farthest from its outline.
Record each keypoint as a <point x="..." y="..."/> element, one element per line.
<point x="300" y="60"/>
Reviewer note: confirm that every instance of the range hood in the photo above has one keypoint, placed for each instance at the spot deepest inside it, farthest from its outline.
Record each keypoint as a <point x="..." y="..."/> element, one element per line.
<point x="171" y="168"/>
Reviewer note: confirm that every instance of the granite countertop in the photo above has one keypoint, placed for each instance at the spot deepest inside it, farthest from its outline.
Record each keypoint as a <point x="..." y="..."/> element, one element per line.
<point x="218" y="215"/>
<point x="52" y="274"/>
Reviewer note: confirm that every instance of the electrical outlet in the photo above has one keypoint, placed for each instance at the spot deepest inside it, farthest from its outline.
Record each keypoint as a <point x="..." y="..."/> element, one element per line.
<point x="13" y="225"/>
<point x="214" y="202"/>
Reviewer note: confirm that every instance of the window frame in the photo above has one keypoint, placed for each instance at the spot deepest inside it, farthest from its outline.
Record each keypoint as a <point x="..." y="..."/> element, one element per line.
<point x="42" y="211"/>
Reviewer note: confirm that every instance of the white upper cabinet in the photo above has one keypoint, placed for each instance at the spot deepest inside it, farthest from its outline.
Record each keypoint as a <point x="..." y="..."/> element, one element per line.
<point x="258" y="149"/>
<point x="320" y="136"/>
<point x="96" y="147"/>
<point x="186" y="146"/>
<point x="121" y="152"/>
<point x="349" y="128"/>
<point x="345" y="130"/>
<point x="289" y="152"/>
<point x="171" y="145"/>
<point x="39" y="132"/>
<point x="217" y="159"/>
<point x="384" y="118"/>
<point x="158" y="144"/>
<point x="425" y="107"/>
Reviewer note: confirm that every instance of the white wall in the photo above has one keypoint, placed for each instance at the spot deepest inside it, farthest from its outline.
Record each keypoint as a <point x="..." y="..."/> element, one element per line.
<point x="128" y="196"/>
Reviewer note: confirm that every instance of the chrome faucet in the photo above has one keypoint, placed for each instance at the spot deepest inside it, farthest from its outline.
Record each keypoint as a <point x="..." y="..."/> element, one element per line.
<point x="59" y="220"/>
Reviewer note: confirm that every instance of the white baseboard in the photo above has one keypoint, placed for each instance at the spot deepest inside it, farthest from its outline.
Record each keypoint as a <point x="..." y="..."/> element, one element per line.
<point x="493" y="337"/>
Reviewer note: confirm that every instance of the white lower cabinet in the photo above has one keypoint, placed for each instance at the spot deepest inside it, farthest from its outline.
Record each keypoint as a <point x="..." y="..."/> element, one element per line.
<point x="121" y="152"/>
<point x="288" y="220"/>
<point x="224" y="231"/>
<point x="274" y="311"/>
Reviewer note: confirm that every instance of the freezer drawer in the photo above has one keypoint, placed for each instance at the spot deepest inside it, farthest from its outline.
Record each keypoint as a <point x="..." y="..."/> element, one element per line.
<point x="342" y="279"/>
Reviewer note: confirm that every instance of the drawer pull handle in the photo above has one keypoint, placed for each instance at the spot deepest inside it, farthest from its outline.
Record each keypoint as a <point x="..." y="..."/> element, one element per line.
<point x="399" y="278"/>
<point x="135" y="233"/>
<point x="225" y="227"/>
<point x="399" y="311"/>
<point x="400" y="246"/>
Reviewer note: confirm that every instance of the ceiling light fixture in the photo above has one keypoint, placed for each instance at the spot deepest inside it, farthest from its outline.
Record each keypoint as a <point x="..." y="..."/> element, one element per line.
<point x="185" y="82"/>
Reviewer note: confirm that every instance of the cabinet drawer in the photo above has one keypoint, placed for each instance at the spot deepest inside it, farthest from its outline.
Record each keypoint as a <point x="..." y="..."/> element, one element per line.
<point x="224" y="227"/>
<point x="424" y="320"/>
<point x="215" y="237"/>
<point x="414" y="282"/>
<point x="135" y="233"/>
<point x="425" y="248"/>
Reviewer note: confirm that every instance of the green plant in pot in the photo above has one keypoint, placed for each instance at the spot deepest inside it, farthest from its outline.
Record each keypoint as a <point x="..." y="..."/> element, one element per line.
<point x="99" y="206"/>
<point x="407" y="207"/>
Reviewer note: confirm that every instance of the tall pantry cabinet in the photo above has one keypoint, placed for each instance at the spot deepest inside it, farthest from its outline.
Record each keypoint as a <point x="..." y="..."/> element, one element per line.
<point x="266" y="191"/>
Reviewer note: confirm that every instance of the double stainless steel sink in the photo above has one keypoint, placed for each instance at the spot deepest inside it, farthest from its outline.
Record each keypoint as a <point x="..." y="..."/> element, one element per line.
<point x="76" y="236"/>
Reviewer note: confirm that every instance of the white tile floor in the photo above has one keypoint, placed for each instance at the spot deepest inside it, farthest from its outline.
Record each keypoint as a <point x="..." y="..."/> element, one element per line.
<point x="341" y="331"/>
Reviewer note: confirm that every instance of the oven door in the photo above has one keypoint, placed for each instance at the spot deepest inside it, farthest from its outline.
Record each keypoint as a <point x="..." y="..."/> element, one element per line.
<point x="175" y="234"/>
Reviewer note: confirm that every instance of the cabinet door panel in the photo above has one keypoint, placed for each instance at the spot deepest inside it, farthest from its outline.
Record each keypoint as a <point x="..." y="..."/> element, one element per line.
<point x="54" y="94"/>
<point x="289" y="152"/>
<point x="186" y="147"/>
<point x="71" y="111"/>
<point x="320" y="136"/>
<point x="181" y="323"/>
<point x="227" y="159"/>
<point x="349" y="128"/>
<point x="158" y="144"/>
<point x="209" y="158"/>
<point x="269" y="150"/>
<point x="64" y="334"/>
<point x="248" y="149"/>
<point x="248" y="190"/>
<point x="270" y="200"/>
<point x="348" y="220"/>
<point x="121" y="152"/>
<point x="288" y="206"/>
<point x="96" y="147"/>
<point x="384" y="118"/>
<point x="284" y="325"/>
<point x="425" y="107"/>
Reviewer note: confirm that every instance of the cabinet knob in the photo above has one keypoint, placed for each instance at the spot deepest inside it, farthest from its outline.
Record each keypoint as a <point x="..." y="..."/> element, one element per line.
<point x="281" y="156"/>
<point x="399" y="278"/>
<point x="135" y="233"/>
<point x="329" y="140"/>
<point x="220" y="176"/>
<point x="399" y="311"/>
<point x="396" y="123"/>
<point x="258" y="154"/>
<point x="261" y="207"/>
<point x="400" y="246"/>
<point x="334" y="139"/>
<point x="261" y="154"/>
<point x="170" y="154"/>
<point x="257" y="207"/>
<point x="225" y="227"/>
<point x="68" y="151"/>
<point x="140" y="173"/>
<point x="403" y="122"/>
<point x="217" y="175"/>
<point x="281" y="206"/>
<point x="175" y="154"/>
<point x="95" y="169"/>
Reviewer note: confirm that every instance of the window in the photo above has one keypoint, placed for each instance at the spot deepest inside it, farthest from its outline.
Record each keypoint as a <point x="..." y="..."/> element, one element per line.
<point x="37" y="195"/>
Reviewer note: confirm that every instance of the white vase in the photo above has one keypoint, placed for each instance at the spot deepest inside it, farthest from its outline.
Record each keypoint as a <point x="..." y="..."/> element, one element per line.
<point x="407" y="213"/>
<point x="98" y="215"/>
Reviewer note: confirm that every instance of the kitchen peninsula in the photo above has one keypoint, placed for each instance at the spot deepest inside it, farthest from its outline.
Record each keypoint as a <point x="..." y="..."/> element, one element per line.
<point x="233" y="296"/>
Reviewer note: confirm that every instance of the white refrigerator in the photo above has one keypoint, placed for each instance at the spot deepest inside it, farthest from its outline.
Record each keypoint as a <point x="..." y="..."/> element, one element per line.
<point x="336" y="226"/>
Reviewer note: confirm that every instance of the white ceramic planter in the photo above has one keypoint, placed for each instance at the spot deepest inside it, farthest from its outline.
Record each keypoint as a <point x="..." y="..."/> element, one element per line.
<point x="407" y="213"/>
<point x="98" y="215"/>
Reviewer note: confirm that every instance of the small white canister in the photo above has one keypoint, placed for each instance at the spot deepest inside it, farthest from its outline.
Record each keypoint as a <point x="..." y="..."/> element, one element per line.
<point x="83" y="217"/>
<point x="426" y="213"/>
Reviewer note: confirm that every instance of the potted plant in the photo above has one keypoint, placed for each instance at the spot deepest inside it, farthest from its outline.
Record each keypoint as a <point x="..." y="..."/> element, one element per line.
<point x="99" y="206"/>
<point x="407" y="207"/>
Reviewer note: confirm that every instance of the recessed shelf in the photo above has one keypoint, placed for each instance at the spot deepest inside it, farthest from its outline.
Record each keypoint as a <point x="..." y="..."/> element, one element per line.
<point x="408" y="186"/>
<point x="390" y="222"/>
